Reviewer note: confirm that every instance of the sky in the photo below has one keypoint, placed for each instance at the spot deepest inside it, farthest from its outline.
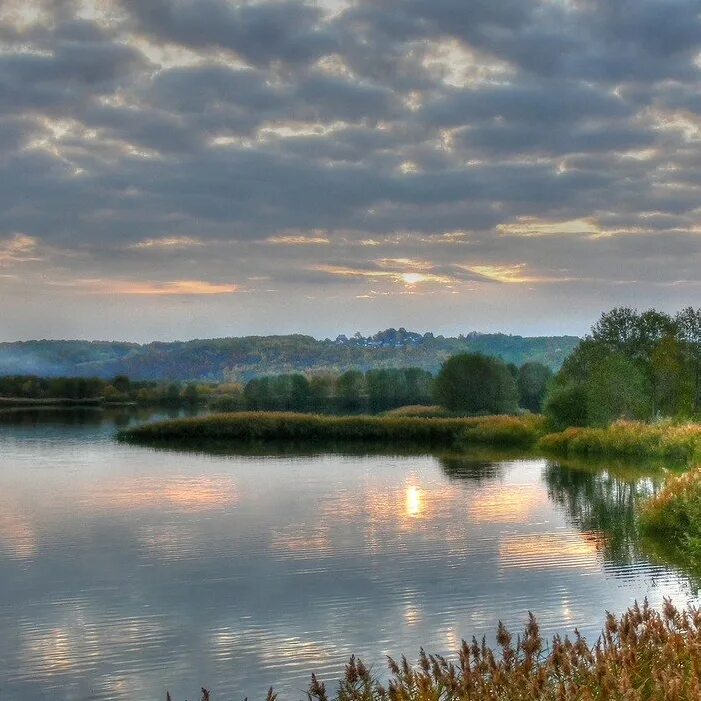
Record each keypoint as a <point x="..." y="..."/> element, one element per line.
<point x="174" y="169"/>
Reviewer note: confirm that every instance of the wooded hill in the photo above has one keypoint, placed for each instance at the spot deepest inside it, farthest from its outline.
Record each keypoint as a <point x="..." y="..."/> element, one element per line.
<point x="251" y="356"/>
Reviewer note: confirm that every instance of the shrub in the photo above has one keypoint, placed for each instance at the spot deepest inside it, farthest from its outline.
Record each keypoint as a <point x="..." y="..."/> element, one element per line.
<point x="644" y="655"/>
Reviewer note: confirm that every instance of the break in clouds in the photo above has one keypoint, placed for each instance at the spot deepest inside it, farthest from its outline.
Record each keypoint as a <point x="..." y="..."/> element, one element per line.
<point x="174" y="168"/>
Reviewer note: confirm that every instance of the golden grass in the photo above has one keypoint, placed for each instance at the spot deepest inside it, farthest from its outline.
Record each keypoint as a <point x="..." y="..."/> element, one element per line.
<point x="681" y="442"/>
<point x="420" y="410"/>
<point x="643" y="655"/>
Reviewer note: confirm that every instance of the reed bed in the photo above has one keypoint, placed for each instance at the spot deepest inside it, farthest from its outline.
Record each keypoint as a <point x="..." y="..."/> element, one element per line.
<point x="288" y="427"/>
<point x="673" y="516"/>
<point x="678" y="442"/>
<point x="420" y="410"/>
<point x="643" y="655"/>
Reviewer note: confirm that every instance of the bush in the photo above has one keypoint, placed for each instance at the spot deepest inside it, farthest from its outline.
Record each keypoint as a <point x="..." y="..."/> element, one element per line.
<point x="674" y="515"/>
<point x="644" y="655"/>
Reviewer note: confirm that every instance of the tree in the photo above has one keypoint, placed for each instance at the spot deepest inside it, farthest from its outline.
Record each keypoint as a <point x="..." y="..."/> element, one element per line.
<point x="634" y="363"/>
<point x="122" y="384"/>
<point x="533" y="379"/>
<point x="616" y="390"/>
<point x="351" y="390"/>
<point x="474" y="383"/>
<point x="566" y="405"/>
<point x="688" y="322"/>
<point x="672" y="379"/>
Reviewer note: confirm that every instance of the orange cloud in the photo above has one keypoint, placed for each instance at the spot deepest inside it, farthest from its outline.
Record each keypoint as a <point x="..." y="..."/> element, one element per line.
<point x="153" y="289"/>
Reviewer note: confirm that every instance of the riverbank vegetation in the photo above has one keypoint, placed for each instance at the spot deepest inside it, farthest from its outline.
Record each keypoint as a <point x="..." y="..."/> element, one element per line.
<point x="246" y="427"/>
<point x="679" y="442"/>
<point x="673" y="516"/>
<point x="633" y="365"/>
<point x="643" y="655"/>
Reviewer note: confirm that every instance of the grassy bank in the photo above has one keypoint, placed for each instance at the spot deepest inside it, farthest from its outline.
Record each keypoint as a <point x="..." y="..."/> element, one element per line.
<point x="247" y="427"/>
<point x="644" y="655"/>
<point x="58" y="401"/>
<point x="678" y="442"/>
<point x="673" y="517"/>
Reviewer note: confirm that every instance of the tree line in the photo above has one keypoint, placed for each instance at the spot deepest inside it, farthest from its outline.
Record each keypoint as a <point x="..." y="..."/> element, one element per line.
<point x="637" y="365"/>
<point x="466" y="384"/>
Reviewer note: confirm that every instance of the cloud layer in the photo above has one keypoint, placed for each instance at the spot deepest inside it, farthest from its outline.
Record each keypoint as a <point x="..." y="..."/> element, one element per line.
<point x="430" y="163"/>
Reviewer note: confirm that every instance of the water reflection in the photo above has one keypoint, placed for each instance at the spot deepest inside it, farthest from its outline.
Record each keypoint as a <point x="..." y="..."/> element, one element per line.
<point x="604" y="499"/>
<point x="414" y="502"/>
<point x="124" y="569"/>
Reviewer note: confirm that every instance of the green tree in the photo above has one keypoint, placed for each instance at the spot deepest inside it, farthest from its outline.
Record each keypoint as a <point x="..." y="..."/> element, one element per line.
<point x="351" y="390"/>
<point x="474" y="383"/>
<point x="616" y="390"/>
<point x="566" y="405"/>
<point x="688" y="323"/>
<point x="533" y="379"/>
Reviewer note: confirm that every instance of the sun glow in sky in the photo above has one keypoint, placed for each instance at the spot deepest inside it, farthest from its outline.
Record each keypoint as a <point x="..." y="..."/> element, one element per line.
<point x="182" y="169"/>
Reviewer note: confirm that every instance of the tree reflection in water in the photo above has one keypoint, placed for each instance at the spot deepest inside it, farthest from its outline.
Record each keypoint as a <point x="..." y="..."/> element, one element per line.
<point x="604" y="500"/>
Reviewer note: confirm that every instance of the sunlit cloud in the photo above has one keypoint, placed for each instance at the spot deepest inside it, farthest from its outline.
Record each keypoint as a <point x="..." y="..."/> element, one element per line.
<point x="316" y="240"/>
<point x="154" y="289"/>
<point x="19" y="248"/>
<point x="512" y="274"/>
<point x="532" y="226"/>
<point x="408" y="278"/>
<point x="167" y="243"/>
<point x="457" y="65"/>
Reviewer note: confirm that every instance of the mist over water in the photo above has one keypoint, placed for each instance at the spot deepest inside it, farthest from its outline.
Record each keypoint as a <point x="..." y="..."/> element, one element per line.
<point x="125" y="571"/>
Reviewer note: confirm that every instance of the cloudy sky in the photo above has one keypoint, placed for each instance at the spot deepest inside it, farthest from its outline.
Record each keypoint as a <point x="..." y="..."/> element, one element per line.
<point x="182" y="168"/>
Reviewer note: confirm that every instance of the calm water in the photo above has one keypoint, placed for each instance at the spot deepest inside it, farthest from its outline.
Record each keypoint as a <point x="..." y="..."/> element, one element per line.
<point x="125" y="570"/>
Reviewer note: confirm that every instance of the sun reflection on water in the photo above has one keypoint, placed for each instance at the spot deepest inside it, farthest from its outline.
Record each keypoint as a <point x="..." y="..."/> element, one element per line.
<point x="414" y="503"/>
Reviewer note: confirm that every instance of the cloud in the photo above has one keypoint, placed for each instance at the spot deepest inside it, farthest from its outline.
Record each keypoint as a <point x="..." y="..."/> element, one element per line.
<point x="298" y="240"/>
<point x="19" y="248"/>
<point x="167" y="243"/>
<point x="561" y="137"/>
<point x="184" y="288"/>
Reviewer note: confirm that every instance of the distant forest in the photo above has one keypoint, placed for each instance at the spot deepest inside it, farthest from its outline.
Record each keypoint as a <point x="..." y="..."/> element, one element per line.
<point x="244" y="358"/>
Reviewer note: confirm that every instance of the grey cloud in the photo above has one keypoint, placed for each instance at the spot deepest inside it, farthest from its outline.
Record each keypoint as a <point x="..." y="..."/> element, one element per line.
<point x="100" y="146"/>
<point x="260" y="33"/>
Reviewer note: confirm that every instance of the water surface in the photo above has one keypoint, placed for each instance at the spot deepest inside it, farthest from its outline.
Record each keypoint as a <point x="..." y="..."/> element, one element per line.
<point x="126" y="570"/>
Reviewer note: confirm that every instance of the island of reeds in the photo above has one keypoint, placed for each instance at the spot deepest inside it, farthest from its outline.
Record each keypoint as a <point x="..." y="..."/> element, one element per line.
<point x="643" y="655"/>
<point x="267" y="427"/>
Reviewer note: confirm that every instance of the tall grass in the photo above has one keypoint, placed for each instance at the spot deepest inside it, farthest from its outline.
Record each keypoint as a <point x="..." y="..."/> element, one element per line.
<point x="679" y="442"/>
<point x="288" y="427"/>
<point x="643" y="655"/>
<point x="673" y="516"/>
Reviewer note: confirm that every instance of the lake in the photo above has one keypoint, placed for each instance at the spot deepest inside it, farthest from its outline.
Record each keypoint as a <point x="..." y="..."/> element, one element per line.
<point x="126" y="570"/>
